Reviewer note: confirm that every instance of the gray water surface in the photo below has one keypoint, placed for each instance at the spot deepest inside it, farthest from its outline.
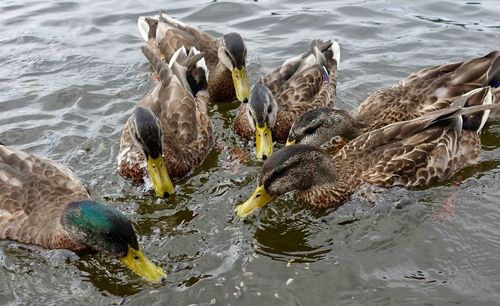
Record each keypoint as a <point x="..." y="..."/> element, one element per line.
<point x="71" y="74"/>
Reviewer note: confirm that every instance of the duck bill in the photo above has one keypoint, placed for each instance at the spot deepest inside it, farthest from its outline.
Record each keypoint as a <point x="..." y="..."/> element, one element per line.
<point x="259" y="199"/>
<point x="289" y="142"/>
<point x="263" y="142"/>
<point x="241" y="84"/>
<point x="136" y="261"/>
<point x="161" y="181"/>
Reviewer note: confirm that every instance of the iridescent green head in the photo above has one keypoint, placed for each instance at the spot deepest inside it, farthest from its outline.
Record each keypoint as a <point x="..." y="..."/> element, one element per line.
<point x="101" y="227"/>
<point x="106" y="230"/>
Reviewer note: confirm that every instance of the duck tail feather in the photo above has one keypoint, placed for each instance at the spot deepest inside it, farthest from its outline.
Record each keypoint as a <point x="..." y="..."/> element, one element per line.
<point x="147" y="27"/>
<point x="477" y="107"/>
<point x="197" y="71"/>
<point x="159" y="66"/>
<point x="495" y="113"/>
<point x="494" y="71"/>
<point x="179" y="56"/>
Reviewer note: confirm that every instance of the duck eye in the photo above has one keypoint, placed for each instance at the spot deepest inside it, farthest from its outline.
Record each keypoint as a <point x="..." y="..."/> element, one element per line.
<point x="269" y="109"/>
<point x="309" y="130"/>
<point x="337" y="138"/>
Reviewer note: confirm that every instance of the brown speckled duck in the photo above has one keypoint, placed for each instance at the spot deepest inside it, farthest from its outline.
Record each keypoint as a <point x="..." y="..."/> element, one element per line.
<point x="170" y="133"/>
<point x="409" y="153"/>
<point x="301" y="83"/>
<point x="43" y="203"/>
<point x="225" y="58"/>
<point x="422" y="92"/>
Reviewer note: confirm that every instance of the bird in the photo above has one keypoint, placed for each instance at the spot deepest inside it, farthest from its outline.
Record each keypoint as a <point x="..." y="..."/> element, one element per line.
<point x="169" y="133"/>
<point x="43" y="203"/>
<point x="424" y="91"/>
<point x="301" y="83"/>
<point x="411" y="153"/>
<point x="225" y="57"/>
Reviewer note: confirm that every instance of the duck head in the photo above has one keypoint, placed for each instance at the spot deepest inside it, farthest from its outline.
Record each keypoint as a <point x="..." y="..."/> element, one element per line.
<point x="292" y="168"/>
<point x="106" y="230"/>
<point x="324" y="125"/>
<point x="146" y="131"/>
<point x="262" y="112"/>
<point x="232" y="53"/>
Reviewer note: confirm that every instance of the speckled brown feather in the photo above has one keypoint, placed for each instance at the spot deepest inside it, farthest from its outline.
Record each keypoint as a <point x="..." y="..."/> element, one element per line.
<point x="426" y="90"/>
<point x="220" y="82"/>
<point x="413" y="153"/>
<point x="186" y="127"/>
<point x="34" y="192"/>
<point x="295" y="91"/>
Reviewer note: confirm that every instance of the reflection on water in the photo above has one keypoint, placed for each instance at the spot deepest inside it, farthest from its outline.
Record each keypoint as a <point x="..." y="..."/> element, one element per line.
<point x="72" y="72"/>
<point x="294" y="238"/>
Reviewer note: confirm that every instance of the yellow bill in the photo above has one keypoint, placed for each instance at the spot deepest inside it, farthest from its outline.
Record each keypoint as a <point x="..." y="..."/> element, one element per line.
<point x="142" y="266"/>
<point x="161" y="181"/>
<point x="289" y="142"/>
<point x="259" y="199"/>
<point x="241" y="84"/>
<point x="263" y="142"/>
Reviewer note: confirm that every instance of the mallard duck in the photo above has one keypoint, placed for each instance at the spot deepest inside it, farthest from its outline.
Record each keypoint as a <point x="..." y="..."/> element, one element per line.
<point x="422" y="92"/>
<point x="170" y="133"/>
<point x="43" y="203"/>
<point x="301" y="83"/>
<point x="409" y="153"/>
<point x="225" y="58"/>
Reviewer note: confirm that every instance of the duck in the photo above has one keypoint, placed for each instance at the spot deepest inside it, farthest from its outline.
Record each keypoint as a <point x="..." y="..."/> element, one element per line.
<point x="424" y="91"/>
<point x="43" y="203"/>
<point x="301" y="83"/>
<point x="414" y="153"/>
<point x="225" y="57"/>
<point x="169" y="134"/>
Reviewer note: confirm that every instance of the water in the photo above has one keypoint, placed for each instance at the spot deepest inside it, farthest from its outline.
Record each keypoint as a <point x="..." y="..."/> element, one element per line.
<point x="71" y="73"/>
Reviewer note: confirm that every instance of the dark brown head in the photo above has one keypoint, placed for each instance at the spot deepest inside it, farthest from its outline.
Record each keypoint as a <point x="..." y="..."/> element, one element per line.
<point x="232" y="53"/>
<point x="324" y="125"/>
<point x="291" y="168"/>
<point x="146" y="131"/>
<point x="235" y="49"/>
<point x="262" y="112"/>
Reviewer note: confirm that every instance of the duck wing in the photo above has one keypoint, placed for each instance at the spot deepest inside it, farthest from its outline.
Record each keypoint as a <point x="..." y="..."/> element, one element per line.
<point x="165" y="35"/>
<point x="427" y="90"/>
<point x="34" y="193"/>
<point x="429" y="148"/>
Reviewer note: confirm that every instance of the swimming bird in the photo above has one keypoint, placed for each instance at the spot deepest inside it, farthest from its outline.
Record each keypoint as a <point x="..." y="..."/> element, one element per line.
<point x="411" y="153"/>
<point x="169" y="133"/>
<point x="422" y="92"/>
<point x="301" y="83"/>
<point x="43" y="203"/>
<point x="225" y="57"/>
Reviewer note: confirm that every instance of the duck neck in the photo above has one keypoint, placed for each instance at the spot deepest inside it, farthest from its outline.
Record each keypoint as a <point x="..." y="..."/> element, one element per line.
<point x="350" y="128"/>
<point x="332" y="193"/>
<point x="220" y="84"/>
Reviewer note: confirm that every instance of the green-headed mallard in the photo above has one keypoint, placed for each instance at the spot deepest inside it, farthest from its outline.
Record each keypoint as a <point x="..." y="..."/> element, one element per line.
<point x="409" y="153"/>
<point x="301" y="83"/>
<point x="43" y="203"/>
<point x="422" y="92"/>
<point x="170" y="133"/>
<point x="225" y="58"/>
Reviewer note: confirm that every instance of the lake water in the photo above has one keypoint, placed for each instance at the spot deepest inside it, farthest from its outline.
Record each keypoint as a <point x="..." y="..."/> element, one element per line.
<point x="71" y="74"/>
